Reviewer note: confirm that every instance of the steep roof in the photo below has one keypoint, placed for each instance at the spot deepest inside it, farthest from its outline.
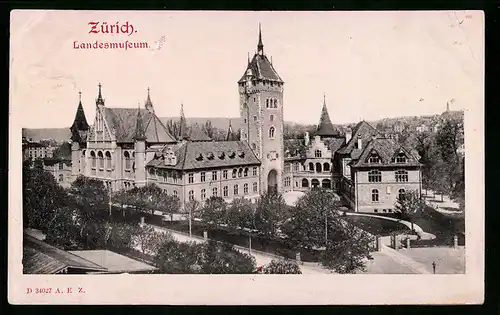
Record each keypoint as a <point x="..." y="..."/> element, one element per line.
<point x="262" y="69"/>
<point x="80" y="126"/>
<point x="201" y="155"/>
<point x="196" y="133"/>
<point x="363" y="131"/>
<point x="334" y="144"/>
<point x="325" y="126"/>
<point x="124" y="122"/>
<point x="42" y="258"/>
<point x="386" y="149"/>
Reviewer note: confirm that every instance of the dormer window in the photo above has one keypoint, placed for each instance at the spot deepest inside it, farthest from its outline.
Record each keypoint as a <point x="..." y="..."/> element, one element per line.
<point x="242" y="154"/>
<point x="374" y="158"/>
<point x="232" y="155"/>
<point x="401" y="158"/>
<point x="199" y="157"/>
<point x="222" y="155"/>
<point x="210" y="156"/>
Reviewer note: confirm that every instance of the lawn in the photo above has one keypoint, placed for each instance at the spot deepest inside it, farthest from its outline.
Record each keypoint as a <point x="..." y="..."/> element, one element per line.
<point x="376" y="226"/>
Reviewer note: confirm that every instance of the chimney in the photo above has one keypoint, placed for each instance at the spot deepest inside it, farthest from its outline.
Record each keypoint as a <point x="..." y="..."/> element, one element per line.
<point x="306" y="138"/>
<point x="348" y="135"/>
<point x="360" y="142"/>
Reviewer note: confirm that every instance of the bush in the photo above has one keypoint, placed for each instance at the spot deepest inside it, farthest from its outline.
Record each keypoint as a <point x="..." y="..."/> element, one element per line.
<point x="281" y="267"/>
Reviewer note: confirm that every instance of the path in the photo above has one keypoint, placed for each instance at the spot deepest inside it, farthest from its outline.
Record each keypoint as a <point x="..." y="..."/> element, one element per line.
<point x="405" y="260"/>
<point x="442" y="206"/>
<point x="423" y="235"/>
<point x="261" y="258"/>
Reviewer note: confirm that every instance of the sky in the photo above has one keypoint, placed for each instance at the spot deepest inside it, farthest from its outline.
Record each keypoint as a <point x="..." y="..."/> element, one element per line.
<point x="369" y="65"/>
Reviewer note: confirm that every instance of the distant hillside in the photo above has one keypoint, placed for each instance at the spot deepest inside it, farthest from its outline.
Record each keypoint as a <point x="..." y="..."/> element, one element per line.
<point x="217" y="122"/>
<point x="56" y="134"/>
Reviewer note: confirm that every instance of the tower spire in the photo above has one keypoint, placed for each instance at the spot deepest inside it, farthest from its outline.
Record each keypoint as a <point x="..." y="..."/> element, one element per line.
<point x="230" y="135"/>
<point x="324" y="99"/>
<point x="140" y="134"/>
<point x="99" y="100"/>
<point x="149" y="104"/>
<point x="260" y="46"/>
<point x="182" y="124"/>
<point x="80" y="96"/>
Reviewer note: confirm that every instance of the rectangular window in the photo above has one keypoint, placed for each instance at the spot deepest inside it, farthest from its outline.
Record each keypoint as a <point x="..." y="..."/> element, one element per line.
<point x="225" y="191"/>
<point x="245" y="189"/>
<point x="287" y="168"/>
<point x="214" y="191"/>
<point x="214" y="175"/>
<point x="317" y="153"/>
<point x="191" y="178"/>
<point x="224" y="174"/>
<point x="236" y="190"/>
<point x="202" y="177"/>
<point x="254" y="187"/>
<point x="254" y="171"/>
<point x="401" y="176"/>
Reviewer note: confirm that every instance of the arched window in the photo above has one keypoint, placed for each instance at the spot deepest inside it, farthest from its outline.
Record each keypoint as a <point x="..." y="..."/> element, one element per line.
<point x="401" y="194"/>
<point x="234" y="173"/>
<point x="374" y="195"/>
<point x="254" y="187"/>
<point x="126" y="155"/>
<point x="271" y="117"/>
<point x="318" y="167"/>
<point x="240" y="172"/>
<point x="245" y="189"/>
<point x="275" y="103"/>
<point x="175" y="193"/>
<point x="235" y="190"/>
<point x="326" y="167"/>
<point x="374" y="176"/>
<point x="203" y="194"/>
<point x="92" y="157"/>
<point x="317" y="153"/>
<point x="61" y="177"/>
<point x="245" y="172"/>
<point x="267" y="103"/>
<point x="311" y="166"/>
<point x="271" y="132"/>
<point x="214" y="191"/>
<point x="191" y="195"/>
<point x="108" y="160"/>
<point x="101" y="159"/>
<point x="401" y="176"/>
<point x="225" y="191"/>
<point x="305" y="182"/>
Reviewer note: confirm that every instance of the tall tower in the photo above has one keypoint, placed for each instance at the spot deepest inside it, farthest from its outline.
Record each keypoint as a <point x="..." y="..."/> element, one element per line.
<point x="140" y="151"/>
<point x="79" y="130"/>
<point x="261" y="111"/>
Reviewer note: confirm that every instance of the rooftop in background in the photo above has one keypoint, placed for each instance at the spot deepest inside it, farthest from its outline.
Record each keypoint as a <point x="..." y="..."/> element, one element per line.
<point x="113" y="262"/>
<point x="42" y="258"/>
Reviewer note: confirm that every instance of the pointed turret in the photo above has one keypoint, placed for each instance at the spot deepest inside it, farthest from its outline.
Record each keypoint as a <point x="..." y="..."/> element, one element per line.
<point x="140" y="134"/>
<point x="80" y="124"/>
<point x="149" y="105"/>
<point x="230" y="134"/>
<point x="182" y="125"/>
<point x="99" y="101"/>
<point x="260" y="45"/>
<point x="325" y="127"/>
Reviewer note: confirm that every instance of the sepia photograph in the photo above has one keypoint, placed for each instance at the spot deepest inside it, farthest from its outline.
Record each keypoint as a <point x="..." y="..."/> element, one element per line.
<point x="245" y="143"/>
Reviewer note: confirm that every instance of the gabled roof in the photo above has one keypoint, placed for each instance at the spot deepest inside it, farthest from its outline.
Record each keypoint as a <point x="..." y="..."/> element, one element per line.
<point x="363" y="131"/>
<point x="42" y="258"/>
<point x="80" y="121"/>
<point x="262" y="69"/>
<point x="386" y="149"/>
<point x="124" y="122"/>
<point x="114" y="262"/>
<point x="202" y="155"/>
<point x="334" y="144"/>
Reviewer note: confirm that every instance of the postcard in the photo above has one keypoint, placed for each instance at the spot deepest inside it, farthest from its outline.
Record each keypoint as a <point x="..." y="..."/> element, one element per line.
<point x="246" y="158"/>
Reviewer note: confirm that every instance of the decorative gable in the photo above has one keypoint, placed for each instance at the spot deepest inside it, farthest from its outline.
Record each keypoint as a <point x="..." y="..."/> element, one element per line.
<point x="374" y="158"/>
<point x="170" y="158"/>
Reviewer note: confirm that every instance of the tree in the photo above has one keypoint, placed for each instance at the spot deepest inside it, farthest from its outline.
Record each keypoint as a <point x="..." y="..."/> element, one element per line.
<point x="313" y="213"/>
<point x="42" y="196"/>
<point x="150" y="241"/>
<point x="192" y="208"/>
<point x="213" y="212"/>
<point x="169" y="205"/>
<point x="268" y="213"/>
<point x="90" y="196"/>
<point x="347" y="250"/>
<point x="174" y="257"/>
<point x="281" y="267"/>
<point x="63" y="151"/>
<point x="223" y="258"/>
<point x="62" y="230"/>
<point x="173" y="127"/>
<point x="408" y="205"/>
<point x="240" y="214"/>
<point x="209" y="130"/>
<point x="120" y="235"/>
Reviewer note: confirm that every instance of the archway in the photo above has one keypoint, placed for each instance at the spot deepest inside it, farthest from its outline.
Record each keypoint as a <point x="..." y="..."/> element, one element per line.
<point x="315" y="183"/>
<point x="272" y="181"/>
<point x="305" y="183"/>
<point x="326" y="183"/>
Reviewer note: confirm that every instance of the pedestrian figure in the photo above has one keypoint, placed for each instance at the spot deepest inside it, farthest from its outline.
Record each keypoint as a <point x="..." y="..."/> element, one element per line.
<point x="434" y="267"/>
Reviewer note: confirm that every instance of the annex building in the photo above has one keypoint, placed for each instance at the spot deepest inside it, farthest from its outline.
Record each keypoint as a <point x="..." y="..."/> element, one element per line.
<point x="128" y="147"/>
